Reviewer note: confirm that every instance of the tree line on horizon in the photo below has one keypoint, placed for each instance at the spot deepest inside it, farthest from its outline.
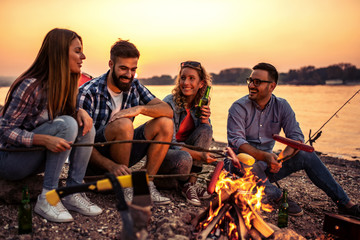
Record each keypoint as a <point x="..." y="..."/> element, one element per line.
<point x="308" y="75"/>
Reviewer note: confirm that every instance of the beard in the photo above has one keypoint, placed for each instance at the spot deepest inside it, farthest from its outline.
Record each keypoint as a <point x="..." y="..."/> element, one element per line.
<point x="124" y="87"/>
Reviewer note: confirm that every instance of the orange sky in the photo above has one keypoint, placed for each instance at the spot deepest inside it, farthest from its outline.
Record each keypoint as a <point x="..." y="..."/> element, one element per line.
<point x="220" y="34"/>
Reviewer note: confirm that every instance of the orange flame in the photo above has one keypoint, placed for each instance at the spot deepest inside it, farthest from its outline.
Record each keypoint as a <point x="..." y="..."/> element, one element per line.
<point x="246" y="193"/>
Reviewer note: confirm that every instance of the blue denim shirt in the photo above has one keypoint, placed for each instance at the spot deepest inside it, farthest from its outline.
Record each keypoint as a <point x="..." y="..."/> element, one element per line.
<point x="247" y="123"/>
<point x="179" y="115"/>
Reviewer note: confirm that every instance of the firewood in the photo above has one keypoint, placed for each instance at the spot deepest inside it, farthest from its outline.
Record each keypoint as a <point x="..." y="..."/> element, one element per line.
<point x="260" y="224"/>
<point x="254" y="233"/>
<point x="203" y="234"/>
<point x="214" y="205"/>
<point x="242" y="229"/>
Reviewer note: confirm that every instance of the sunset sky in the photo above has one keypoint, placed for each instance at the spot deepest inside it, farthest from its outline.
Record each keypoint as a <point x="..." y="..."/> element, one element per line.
<point x="219" y="34"/>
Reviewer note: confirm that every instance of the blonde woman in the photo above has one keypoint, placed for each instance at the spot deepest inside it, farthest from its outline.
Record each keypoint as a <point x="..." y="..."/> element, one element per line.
<point x="40" y="110"/>
<point x="191" y="84"/>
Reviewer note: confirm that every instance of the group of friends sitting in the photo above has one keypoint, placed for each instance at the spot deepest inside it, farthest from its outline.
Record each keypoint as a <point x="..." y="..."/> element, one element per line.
<point x="45" y="107"/>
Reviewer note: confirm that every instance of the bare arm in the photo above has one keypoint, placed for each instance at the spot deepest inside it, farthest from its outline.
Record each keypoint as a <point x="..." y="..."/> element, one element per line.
<point x="99" y="160"/>
<point x="155" y="108"/>
<point x="200" y="156"/>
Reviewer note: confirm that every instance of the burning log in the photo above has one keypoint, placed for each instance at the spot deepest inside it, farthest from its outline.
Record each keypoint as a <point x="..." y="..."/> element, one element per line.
<point x="233" y="213"/>
<point x="214" y="204"/>
<point x="243" y="232"/>
<point x="209" y="228"/>
<point x="260" y="224"/>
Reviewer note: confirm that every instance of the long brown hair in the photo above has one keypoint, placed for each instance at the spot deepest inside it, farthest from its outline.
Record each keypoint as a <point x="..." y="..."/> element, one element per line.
<point x="179" y="97"/>
<point x="52" y="72"/>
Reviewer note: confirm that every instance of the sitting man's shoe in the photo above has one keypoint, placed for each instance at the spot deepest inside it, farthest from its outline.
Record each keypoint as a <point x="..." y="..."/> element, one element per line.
<point x="80" y="203"/>
<point x="294" y="209"/>
<point x="57" y="213"/>
<point x="202" y="193"/>
<point x="353" y="211"/>
<point x="189" y="192"/>
<point x="155" y="195"/>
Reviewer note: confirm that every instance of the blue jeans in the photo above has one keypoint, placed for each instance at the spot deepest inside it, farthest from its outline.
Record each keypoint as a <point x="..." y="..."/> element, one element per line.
<point x="18" y="165"/>
<point x="311" y="164"/>
<point x="180" y="162"/>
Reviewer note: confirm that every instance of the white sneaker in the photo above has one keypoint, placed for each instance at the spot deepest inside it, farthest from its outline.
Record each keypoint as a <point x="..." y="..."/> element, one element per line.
<point x="155" y="195"/>
<point x="56" y="213"/>
<point x="128" y="194"/>
<point x="79" y="202"/>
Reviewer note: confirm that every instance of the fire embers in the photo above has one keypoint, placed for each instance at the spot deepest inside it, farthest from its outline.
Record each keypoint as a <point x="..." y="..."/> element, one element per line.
<point x="234" y="213"/>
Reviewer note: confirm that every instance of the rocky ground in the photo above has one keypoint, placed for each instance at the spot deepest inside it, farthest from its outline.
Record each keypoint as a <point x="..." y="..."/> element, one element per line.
<point x="173" y="221"/>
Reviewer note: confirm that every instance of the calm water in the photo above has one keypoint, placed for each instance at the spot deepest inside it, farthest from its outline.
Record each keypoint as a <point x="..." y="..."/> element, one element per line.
<point x="313" y="106"/>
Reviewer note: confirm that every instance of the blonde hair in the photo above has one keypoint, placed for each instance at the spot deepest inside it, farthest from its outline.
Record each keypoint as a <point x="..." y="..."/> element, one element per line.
<point x="179" y="98"/>
<point x="52" y="71"/>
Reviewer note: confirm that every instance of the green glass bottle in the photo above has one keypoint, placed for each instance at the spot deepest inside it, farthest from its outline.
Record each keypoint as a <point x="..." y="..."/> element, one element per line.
<point x="25" y="213"/>
<point x="283" y="211"/>
<point x="203" y="101"/>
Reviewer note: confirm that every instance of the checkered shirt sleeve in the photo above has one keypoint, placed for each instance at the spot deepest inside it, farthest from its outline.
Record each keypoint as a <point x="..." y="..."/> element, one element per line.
<point x="20" y="117"/>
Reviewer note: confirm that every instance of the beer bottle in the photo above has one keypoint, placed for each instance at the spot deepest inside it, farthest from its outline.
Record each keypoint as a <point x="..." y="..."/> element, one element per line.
<point x="283" y="211"/>
<point x="203" y="101"/>
<point x="25" y="213"/>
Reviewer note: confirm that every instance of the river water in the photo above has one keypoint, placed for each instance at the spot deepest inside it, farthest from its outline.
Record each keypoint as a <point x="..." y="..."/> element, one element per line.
<point x="313" y="106"/>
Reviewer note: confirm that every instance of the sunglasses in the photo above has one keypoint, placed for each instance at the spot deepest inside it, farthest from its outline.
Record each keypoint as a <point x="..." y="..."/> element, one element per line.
<point x="190" y="64"/>
<point x="255" y="81"/>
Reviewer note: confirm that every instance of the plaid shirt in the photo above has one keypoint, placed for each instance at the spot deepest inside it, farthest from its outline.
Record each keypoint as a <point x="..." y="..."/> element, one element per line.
<point x="95" y="98"/>
<point x="23" y="115"/>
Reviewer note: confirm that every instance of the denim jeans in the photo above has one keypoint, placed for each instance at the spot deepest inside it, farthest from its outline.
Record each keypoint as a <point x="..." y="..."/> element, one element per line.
<point x="180" y="162"/>
<point x="18" y="165"/>
<point x="311" y="164"/>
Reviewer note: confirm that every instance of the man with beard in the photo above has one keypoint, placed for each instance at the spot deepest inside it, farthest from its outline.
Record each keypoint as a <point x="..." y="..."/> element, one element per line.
<point x="113" y="100"/>
<point x="252" y="121"/>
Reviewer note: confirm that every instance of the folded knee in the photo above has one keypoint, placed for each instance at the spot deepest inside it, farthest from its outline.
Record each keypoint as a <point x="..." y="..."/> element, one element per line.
<point x="67" y="127"/>
<point x="120" y="127"/>
<point x="185" y="160"/>
<point x="164" y="125"/>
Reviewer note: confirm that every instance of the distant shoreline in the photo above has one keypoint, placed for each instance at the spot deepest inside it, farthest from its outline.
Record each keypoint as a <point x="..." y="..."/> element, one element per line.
<point x="335" y="74"/>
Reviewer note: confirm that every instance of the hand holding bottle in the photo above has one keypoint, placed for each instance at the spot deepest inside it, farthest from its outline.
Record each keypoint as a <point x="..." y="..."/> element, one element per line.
<point x="203" y="102"/>
<point x="205" y="114"/>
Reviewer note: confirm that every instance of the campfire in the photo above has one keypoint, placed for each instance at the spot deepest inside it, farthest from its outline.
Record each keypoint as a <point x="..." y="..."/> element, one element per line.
<point x="234" y="213"/>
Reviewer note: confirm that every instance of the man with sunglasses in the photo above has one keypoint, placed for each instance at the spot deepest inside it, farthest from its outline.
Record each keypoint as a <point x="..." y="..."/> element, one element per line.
<point x="252" y="121"/>
<point x="113" y="100"/>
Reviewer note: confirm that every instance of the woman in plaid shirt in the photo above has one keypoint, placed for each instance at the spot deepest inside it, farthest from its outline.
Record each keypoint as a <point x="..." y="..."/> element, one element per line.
<point x="40" y="110"/>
